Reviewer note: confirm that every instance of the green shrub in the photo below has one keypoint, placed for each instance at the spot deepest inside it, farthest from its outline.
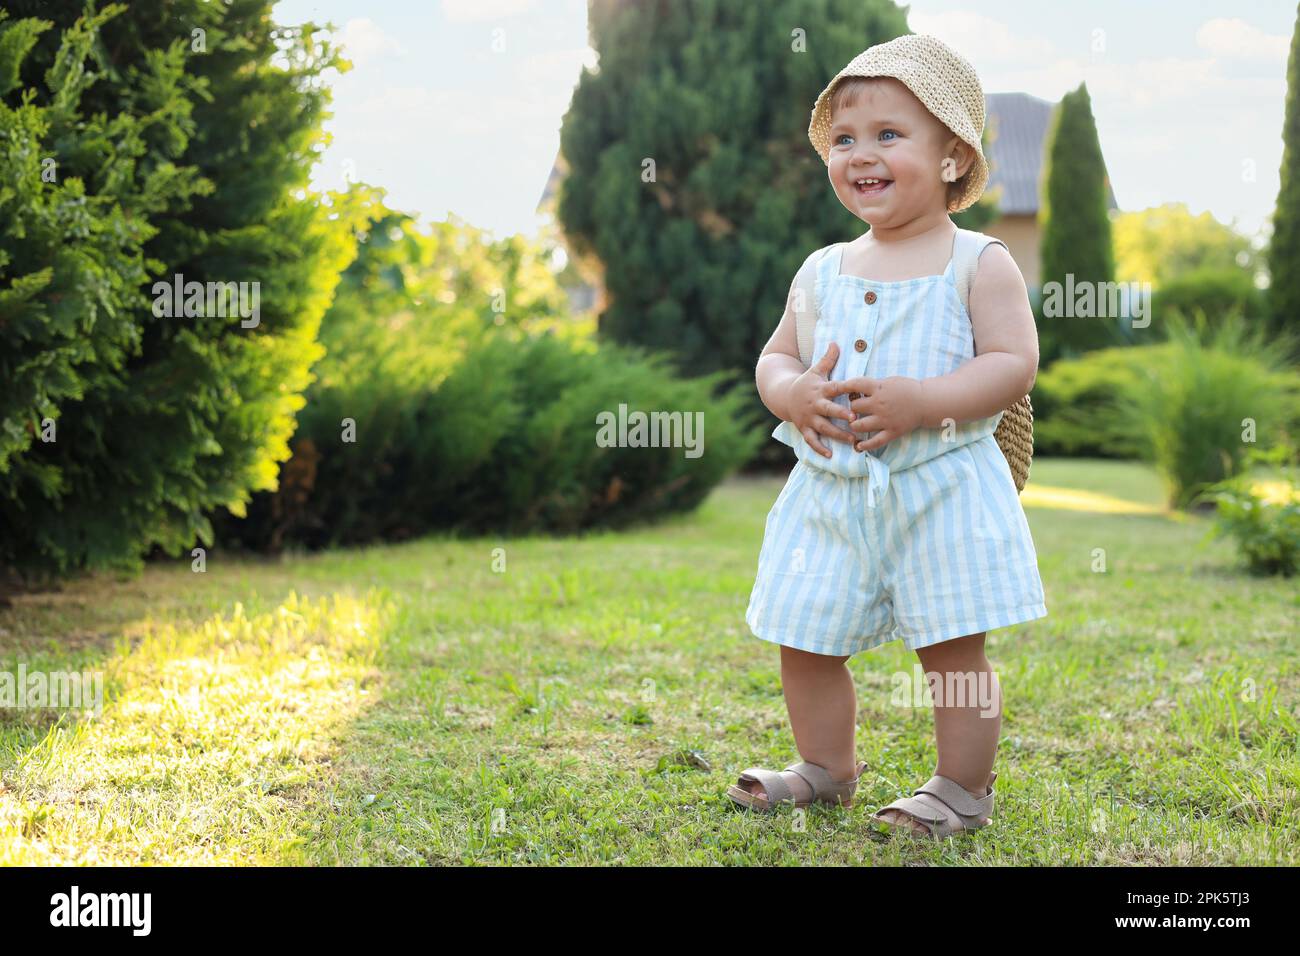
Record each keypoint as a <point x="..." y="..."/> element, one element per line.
<point x="461" y="416"/>
<point x="1078" y="403"/>
<point x="1180" y="404"/>
<point x="1227" y="384"/>
<point x="507" y="443"/>
<point x="1213" y="291"/>
<point x="1264" y="520"/>
<point x="545" y="471"/>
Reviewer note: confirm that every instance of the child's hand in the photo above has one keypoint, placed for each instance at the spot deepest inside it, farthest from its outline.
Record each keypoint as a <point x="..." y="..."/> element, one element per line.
<point x="890" y="407"/>
<point x="808" y="403"/>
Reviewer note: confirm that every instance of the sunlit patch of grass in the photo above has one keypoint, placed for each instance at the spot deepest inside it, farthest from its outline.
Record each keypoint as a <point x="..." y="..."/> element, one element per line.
<point x="1275" y="492"/>
<point x="1037" y="495"/>
<point x="212" y="740"/>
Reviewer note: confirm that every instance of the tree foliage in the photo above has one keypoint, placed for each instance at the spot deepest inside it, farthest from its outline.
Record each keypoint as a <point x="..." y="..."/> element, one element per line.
<point x="181" y="135"/>
<point x="693" y="192"/>
<point x="1074" y="224"/>
<point x="1284" y="247"/>
<point x="1167" y="242"/>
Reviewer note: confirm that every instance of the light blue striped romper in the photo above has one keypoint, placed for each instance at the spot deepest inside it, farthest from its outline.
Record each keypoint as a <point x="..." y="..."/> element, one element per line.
<point x="921" y="539"/>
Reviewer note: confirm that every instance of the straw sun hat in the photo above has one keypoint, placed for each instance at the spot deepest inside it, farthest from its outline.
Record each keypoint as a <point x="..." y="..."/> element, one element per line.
<point x="944" y="82"/>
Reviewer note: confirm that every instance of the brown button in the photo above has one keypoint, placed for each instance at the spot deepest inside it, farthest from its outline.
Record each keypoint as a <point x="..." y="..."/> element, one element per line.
<point x="854" y="396"/>
<point x="860" y="345"/>
<point x="870" y="297"/>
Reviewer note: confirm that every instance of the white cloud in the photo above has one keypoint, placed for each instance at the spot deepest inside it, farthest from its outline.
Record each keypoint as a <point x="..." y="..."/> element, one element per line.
<point x="363" y="40"/>
<point x="390" y="115"/>
<point x="549" y="78"/>
<point x="1147" y="82"/>
<point x="968" y="33"/>
<point x="467" y="11"/>
<point x="1238" y="39"/>
<point x="1161" y="119"/>
<point x="1012" y="61"/>
<point x="542" y="87"/>
<point x="1144" y="83"/>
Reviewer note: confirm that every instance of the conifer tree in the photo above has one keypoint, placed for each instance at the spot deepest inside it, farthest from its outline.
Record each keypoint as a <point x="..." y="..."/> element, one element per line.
<point x="693" y="193"/>
<point x="1284" y="247"/>
<point x="181" y="133"/>
<point x="1075" y="242"/>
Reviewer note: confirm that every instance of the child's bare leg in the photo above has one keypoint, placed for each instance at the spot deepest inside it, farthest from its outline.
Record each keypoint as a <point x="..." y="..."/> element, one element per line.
<point x="823" y="714"/>
<point x="966" y="728"/>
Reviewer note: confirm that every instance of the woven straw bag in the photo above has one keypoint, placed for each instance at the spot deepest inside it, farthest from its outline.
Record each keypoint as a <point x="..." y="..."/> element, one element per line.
<point x="1015" y="431"/>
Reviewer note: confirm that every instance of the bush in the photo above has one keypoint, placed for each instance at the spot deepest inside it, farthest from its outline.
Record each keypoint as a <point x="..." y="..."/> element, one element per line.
<point x="1212" y="291"/>
<point x="1264" y="518"/>
<point x="1224" y="387"/>
<point x="1078" y="403"/>
<point x="545" y="470"/>
<point x="462" y="416"/>
<point x="507" y="443"/>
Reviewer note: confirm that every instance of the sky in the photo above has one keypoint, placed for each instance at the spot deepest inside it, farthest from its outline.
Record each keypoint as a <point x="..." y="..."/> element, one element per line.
<point x="456" y="105"/>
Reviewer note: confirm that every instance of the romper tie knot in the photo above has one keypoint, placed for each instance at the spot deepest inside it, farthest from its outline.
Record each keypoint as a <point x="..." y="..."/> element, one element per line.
<point x="877" y="480"/>
<point x="845" y="463"/>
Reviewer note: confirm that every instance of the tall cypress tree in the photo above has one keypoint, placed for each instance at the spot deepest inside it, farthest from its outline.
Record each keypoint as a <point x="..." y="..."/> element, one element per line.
<point x="692" y="188"/>
<point x="1074" y="226"/>
<point x="1284" y="247"/>
<point x="191" y="131"/>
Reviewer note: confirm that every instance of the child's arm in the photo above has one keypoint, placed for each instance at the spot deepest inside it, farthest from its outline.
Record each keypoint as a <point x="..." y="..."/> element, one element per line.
<point x="1006" y="348"/>
<point x="798" y="395"/>
<point x="779" y="364"/>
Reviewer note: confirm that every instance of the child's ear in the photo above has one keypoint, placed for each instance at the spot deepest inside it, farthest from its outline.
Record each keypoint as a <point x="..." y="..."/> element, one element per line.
<point x="962" y="154"/>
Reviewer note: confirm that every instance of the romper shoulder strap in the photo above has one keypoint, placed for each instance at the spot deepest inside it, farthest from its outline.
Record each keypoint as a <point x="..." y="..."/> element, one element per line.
<point x="966" y="250"/>
<point x="804" y="301"/>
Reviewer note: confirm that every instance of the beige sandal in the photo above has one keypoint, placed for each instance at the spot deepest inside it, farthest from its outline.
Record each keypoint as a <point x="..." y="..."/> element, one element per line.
<point x="943" y="805"/>
<point x="776" y="791"/>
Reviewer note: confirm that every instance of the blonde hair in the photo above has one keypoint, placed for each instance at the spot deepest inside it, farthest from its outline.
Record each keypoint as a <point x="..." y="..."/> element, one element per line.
<point x="846" y="94"/>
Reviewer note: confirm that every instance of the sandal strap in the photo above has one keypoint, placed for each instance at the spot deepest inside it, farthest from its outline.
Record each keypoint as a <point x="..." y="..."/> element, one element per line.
<point x="819" y="779"/>
<point x="956" y="796"/>
<point x="775" y="788"/>
<point x="921" y="809"/>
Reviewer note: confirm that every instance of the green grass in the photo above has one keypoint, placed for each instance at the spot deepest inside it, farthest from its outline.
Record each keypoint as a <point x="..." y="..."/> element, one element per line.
<point x="413" y="704"/>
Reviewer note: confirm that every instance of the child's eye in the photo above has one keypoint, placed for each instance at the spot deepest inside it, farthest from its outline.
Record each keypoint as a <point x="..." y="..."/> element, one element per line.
<point x="886" y="132"/>
<point x="840" y="137"/>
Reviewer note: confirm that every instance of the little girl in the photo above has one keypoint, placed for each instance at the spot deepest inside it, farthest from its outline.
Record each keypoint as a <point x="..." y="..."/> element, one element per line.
<point x="900" y="519"/>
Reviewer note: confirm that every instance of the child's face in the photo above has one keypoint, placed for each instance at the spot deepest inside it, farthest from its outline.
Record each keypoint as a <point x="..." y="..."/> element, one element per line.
<point x="887" y="134"/>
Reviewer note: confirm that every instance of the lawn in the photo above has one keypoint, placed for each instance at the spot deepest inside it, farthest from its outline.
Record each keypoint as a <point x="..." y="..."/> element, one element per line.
<point x="536" y="701"/>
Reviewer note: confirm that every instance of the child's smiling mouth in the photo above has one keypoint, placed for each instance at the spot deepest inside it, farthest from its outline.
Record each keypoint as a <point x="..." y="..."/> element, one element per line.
<point x="871" y="186"/>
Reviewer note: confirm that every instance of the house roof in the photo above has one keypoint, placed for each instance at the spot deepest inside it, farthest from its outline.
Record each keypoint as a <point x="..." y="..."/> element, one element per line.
<point x="1018" y="130"/>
